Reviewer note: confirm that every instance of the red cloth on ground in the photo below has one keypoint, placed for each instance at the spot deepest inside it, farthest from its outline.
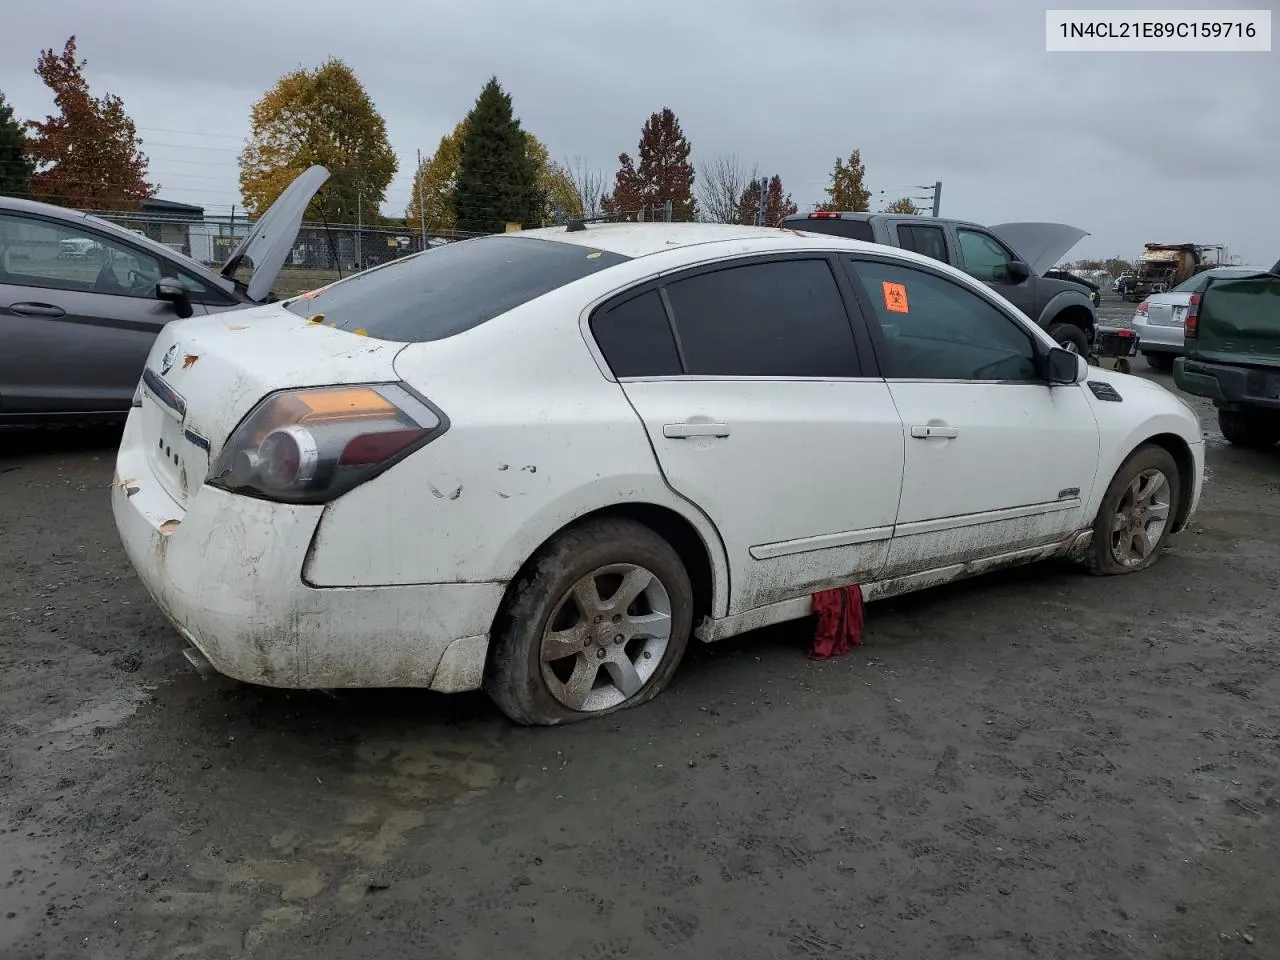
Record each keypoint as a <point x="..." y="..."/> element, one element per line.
<point x="839" y="621"/>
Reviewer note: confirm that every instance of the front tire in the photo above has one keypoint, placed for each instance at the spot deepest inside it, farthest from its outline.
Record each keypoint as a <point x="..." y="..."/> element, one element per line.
<point x="1137" y="513"/>
<point x="1248" y="429"/>
<point x="598" y="622"/>
<point x="1070" y="337"/>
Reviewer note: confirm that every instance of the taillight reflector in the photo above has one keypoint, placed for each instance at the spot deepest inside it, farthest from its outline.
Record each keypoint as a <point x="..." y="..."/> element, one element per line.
<point x="1191" y="322"/>
<point x="1142" y="308"/>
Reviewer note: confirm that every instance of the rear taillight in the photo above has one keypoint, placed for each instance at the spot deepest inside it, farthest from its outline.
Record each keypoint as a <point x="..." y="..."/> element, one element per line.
<point x="312" y="445"/>
<point x="1141" y="309"/>
<point x="824" y="215"/>
<point x="1191" y="322"/>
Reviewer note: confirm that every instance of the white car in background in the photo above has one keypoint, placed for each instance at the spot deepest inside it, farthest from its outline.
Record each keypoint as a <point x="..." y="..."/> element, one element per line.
<point x="540" y="462"/>
<point x="1158" y="319"/>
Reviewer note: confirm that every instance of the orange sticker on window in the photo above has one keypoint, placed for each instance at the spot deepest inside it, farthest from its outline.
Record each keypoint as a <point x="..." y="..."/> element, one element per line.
<point x="895" y="297"/>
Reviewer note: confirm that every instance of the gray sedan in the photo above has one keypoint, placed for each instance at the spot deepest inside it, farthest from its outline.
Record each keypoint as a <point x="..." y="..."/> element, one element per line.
<point x="1158" y="319"/>
<point x="82" y="300"/>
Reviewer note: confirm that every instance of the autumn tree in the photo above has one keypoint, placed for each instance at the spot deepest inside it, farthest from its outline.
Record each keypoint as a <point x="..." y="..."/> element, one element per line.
<point x="497" y="176"/>
<point x="15" y="166"/>
<point x="663" y="173"/>
<point x="88" y="155"/>
<point x="902" y="205"/>
<point x="434" y="182"/>
<point x="437" y="178"/>
<point x="777" y="204"/>
<point x="319" y="116"/>
<point x="848" y="190"/>
<point x="721" y="182"/>
<point x="627" y="197"/>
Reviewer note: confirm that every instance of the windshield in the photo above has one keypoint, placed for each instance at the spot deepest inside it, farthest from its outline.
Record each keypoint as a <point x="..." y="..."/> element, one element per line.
<point x="444" y="291"/>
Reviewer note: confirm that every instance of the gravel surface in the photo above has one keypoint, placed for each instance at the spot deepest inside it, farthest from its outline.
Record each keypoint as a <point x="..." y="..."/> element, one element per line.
<point x="1034" y="764"/>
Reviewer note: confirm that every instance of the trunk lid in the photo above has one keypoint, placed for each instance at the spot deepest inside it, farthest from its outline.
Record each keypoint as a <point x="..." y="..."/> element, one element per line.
<point x="1168" y="309"/>
<point x="271" y="239"/>
<point x="205" y="374"/>
<point x="1239" y="322"/>
<point x="1040" y="245"/>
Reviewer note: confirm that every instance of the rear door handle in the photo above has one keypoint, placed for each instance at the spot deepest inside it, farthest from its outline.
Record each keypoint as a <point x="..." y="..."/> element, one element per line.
<point x="931" y="431"/>
<point x="37" y="310"/>
<point x="682" y="431"/>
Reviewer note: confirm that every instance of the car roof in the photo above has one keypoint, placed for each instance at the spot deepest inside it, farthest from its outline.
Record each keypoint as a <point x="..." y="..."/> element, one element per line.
<point x="642" y="239"/>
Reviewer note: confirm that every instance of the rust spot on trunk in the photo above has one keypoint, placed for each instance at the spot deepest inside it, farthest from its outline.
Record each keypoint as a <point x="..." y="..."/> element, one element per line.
<point x="189" y="359"/>
<point x="169" y="526"/>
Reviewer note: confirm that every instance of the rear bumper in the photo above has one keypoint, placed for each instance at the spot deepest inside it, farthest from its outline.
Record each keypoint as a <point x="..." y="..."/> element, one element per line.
<point x="227" y="572"/>
<point x="1156" y="338"/>
<point x="1228" y="385"/>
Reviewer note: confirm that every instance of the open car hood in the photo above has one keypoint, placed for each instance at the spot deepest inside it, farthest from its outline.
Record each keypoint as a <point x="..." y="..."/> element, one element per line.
<point x="1040" y="245"/>
<point x="272" y="237"/>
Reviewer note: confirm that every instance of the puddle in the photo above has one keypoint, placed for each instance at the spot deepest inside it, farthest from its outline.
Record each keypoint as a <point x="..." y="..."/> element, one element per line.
<point x="94" y="720"/>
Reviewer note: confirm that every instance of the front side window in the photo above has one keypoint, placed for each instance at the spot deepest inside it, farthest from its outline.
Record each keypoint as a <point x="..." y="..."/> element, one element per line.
<point x="984" y="258"/>
<point x="782" y="318"/>
<point x="446" y="290"/>
<point x="43" y="253"/>
<point x="937" y="330"/>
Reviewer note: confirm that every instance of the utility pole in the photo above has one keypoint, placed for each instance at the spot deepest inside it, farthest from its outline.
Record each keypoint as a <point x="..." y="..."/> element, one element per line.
<point x="666" y="211"/>
<point x="359" y="227"/>
<point x="937" y="197"/>
<point x="764" y="199"/>
<point x="422" y="210"/>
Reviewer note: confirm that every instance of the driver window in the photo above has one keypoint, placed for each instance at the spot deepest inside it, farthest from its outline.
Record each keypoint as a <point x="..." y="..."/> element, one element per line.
<point x="42" y="253"/>
<point x="984" y="259"/>
<point x="937" y="330"/>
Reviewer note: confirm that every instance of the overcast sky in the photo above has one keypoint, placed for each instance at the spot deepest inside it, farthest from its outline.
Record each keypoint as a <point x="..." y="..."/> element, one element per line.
<point x="1131" y="147"/>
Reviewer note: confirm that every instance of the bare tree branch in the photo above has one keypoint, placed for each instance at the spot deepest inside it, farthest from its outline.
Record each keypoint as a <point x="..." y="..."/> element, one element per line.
<point x="589" y="184"/>
<point x="720" y="184"/>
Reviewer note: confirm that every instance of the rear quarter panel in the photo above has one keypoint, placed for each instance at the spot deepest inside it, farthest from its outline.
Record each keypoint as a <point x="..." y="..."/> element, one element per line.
<point x="538" y="437"/>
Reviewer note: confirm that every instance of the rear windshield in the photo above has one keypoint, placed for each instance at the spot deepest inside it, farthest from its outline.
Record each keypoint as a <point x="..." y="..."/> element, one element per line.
<point x="851" y="229"/>
<point x="449" y="289"/>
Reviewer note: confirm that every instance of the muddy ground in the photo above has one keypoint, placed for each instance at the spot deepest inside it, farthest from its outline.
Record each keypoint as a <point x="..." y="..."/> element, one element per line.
<point x="1038" y="764"/>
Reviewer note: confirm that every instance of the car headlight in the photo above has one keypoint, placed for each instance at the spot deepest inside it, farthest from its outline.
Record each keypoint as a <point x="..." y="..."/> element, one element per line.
<point x="312" y="445"/>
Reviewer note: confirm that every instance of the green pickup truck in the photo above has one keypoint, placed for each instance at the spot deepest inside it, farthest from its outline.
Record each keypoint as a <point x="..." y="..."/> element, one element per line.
<point x="1232" y="355"/>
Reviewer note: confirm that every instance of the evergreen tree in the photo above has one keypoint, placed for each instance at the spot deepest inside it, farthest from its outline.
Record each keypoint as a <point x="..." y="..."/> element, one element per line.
<point x="15" y="166"/>
<point x="497" y="178"/>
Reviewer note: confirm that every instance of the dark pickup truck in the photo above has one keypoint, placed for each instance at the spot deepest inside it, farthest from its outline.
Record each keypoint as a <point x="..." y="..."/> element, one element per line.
<point x="1231" y="355"/>
<point x="1065" y="308"/>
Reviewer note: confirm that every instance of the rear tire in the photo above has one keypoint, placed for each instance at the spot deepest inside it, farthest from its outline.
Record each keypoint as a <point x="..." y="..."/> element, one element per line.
<point x="567" y="647"/>
<point x="1159" y="361"/>
<point x="1070" y="337"/>
<point x="1137" y="513"/>
<point x="1252" y="430"/>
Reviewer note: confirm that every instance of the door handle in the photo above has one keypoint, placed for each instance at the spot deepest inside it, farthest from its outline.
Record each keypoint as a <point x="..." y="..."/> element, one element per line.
<point x="932" y="431"/>
<point x="37" y="310"/>
<point x="682" y="431"/>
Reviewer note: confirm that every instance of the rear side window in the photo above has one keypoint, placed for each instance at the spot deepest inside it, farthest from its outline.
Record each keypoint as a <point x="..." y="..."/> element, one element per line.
<point x="833" y="226"/>
<point x="636" y="339"/>
<point x="928" y="241"/>
<point x="444" y="291"/>
<point x="778" y="319"/>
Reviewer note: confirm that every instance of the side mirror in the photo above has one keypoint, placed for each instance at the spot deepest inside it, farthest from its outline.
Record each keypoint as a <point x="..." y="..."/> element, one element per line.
<point x="175" y="293"/>
<point x="1018" y="271"/>
<point x="1063" y="366"/>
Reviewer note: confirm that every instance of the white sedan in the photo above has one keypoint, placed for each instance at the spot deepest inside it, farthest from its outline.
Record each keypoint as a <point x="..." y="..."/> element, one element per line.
<point x="538" y="463"/>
